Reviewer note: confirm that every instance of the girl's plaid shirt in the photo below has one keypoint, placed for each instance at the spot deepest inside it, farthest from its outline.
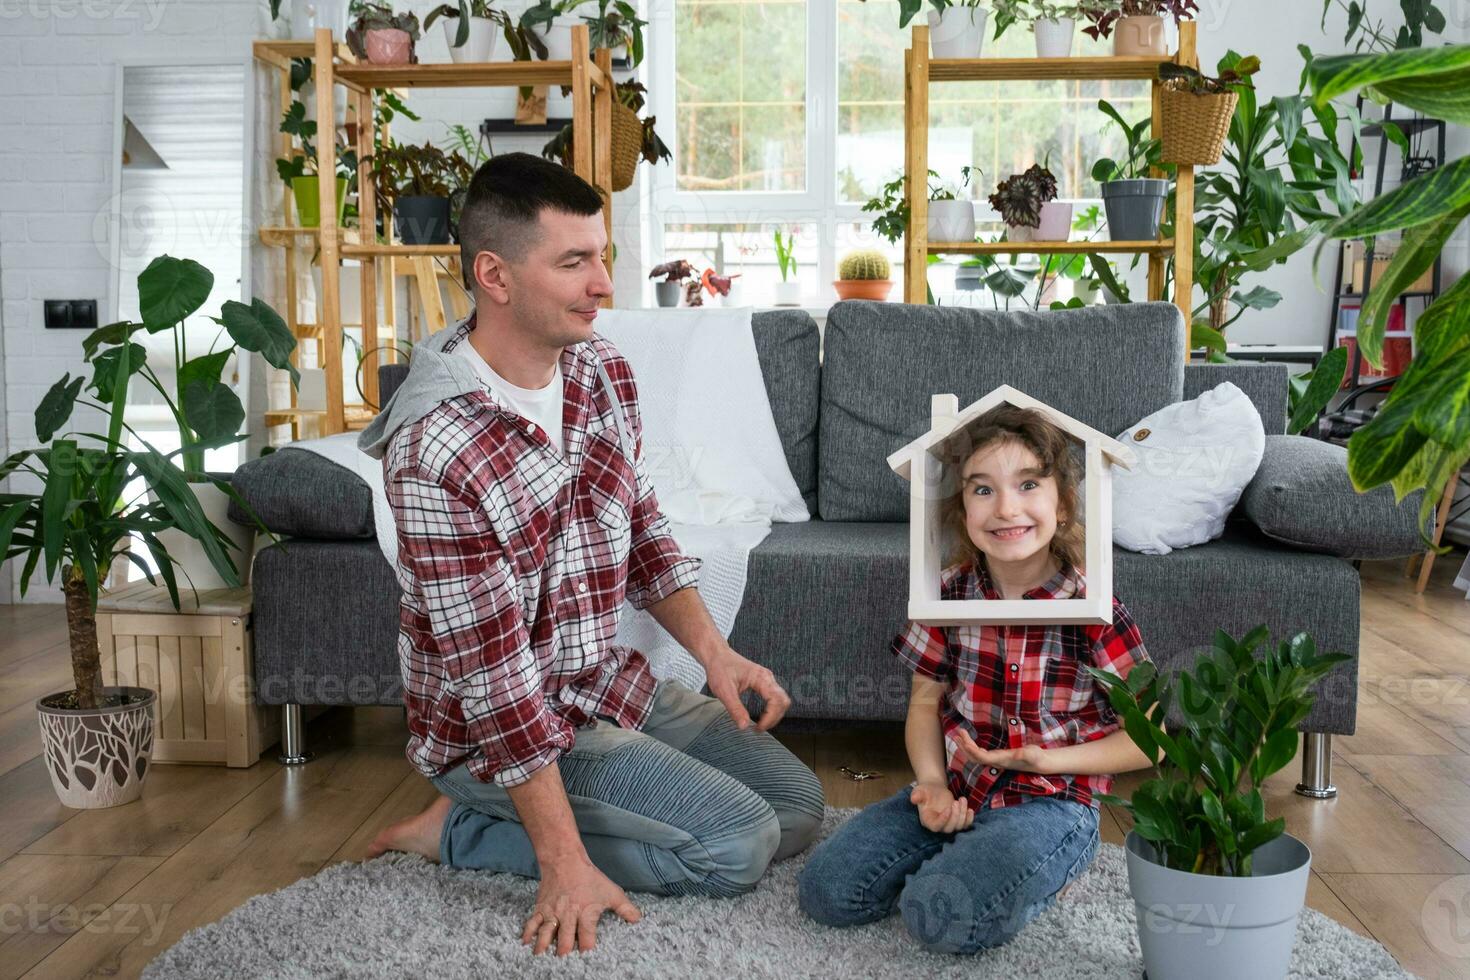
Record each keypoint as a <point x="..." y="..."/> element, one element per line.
<point x="514" y="561"/>
<point x="1011" y="686"/>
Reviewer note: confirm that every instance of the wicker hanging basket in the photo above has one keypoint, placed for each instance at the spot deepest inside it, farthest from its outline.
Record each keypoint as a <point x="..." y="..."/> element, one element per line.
<point x="1194" y="126"/>
<point x="627" y="145"/>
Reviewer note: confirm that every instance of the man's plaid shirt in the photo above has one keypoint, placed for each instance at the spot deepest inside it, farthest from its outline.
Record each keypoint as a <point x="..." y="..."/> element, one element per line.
<point x="1010" y="686"/>
<point x="514" y="562"/>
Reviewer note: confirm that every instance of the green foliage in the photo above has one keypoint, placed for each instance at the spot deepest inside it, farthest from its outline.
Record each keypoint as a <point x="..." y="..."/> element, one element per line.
<point x="1420" y="436"/>
<point x="1204" y="811"/>
<point x="462" y="11"/>
<point x="1008" y="12"/>
<point x="1419" y="16"/>
<point x="785" y="254"/>
<point x="1019" y="198"/>
<point x="892" y="208"/>
<point x="1143" y="150"/>
<point x="403" y="170"/>
<point x="863" y="264"/>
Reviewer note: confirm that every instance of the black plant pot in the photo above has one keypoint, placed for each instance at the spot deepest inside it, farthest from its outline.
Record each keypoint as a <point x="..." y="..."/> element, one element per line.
<point x="1134" y="208"/>
<point x="422" y="220"/>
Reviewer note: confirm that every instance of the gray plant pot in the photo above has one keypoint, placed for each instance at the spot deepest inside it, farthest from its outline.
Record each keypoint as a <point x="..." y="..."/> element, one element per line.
<point x="1206" y="927"/>
<point x="1134" y="208"/>
<point x="668" y="292"/>
<point x="422" y="220"/>
<point x="98" y="757"/>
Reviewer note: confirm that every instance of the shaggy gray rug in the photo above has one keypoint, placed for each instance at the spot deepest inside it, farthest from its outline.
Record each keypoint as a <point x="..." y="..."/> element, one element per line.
<point x="401" y="916"/>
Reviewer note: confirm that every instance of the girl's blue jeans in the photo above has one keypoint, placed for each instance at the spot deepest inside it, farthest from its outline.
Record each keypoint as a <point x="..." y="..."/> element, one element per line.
<point x="957" y="893"/>
<point x="689" y="805"/>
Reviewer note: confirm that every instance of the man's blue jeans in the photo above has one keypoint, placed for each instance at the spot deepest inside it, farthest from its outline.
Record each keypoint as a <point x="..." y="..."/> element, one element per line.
<point x="958" y="893"/>
<point x="690" y="805"/>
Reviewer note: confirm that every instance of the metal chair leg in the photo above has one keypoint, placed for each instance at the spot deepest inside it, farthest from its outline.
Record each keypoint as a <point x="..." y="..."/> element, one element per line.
<point x="1316" y="767"/>
<point x="293" y="737"/>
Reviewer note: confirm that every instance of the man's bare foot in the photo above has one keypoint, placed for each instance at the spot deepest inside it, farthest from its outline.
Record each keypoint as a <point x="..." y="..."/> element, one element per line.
<point x="416" y="835"/>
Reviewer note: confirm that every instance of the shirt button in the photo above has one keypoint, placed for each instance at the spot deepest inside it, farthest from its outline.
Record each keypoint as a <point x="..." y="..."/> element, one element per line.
<point x="582" y="586"/>
<point x="1014" y="722"/>
<point x="994" y="771"/>
<point x="1015" y="667"/>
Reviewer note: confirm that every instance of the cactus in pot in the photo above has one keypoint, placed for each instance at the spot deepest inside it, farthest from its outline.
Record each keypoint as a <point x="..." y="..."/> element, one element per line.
<point x="863" y="274"/>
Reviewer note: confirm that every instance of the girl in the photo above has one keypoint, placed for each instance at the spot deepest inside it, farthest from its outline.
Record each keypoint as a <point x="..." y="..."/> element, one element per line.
<point x="1010" y="739"/>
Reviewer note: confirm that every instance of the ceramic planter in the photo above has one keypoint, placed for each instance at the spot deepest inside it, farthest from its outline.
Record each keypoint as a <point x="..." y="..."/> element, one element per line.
<point x="388" y="46"/>
<point x="951" y="221"/>
<point x="958" y="32"/>
<point x="422" y="220"/>
<point x="1208" y="927"/>
<point x="877" y="289"/>
<point x="1054" y="37"/>
<point x="1134" y="208"/>
<point x="481" y="44"/>
<point x="307" y="193"/>
<point x="1056" y="225"/>
<point x="558" y="39"/>
<point x="98" y="757"/>
<point x="1140" y="35"/>
<point x="668" y="293"/>
<point x="788" y="293"/>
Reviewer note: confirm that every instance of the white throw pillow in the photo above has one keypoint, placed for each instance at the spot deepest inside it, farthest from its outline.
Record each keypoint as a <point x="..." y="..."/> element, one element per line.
<point x="1194" y="459"/>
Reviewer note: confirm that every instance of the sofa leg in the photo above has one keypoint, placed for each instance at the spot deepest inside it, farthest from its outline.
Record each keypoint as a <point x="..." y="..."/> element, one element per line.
<point x="1316" y="767"/>
<point x="293" y="737"/>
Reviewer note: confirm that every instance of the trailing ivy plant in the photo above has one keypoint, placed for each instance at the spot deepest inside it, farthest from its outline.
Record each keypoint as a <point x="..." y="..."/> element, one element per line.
<point x="1203" y="810"/>
<point x="1420" y="436"/>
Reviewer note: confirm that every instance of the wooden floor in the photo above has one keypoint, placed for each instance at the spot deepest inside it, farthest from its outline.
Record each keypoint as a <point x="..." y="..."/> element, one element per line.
<point x="89" y="893"/>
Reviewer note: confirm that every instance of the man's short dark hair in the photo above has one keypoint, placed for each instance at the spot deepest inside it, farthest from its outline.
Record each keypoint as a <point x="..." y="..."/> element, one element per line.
<point x="505" y="199"/>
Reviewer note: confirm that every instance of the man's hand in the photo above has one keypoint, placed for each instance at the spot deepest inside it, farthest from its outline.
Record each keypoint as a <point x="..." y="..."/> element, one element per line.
<point x="730" y="675"/>
<point x="568" y="906"/>
<point x="1028" y="758"/>
<point x="938" y="810"/>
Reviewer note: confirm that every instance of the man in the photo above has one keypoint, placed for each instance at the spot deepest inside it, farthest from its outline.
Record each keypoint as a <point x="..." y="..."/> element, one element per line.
<point x="513" y="462"/>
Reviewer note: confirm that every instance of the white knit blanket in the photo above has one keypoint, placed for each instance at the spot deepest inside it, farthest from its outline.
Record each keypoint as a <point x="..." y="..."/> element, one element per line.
<point x="710" y="447"/>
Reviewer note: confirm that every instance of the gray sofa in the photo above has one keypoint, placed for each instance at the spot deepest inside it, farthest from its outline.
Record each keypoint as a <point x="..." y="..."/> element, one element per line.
<point x="824" y="598"/>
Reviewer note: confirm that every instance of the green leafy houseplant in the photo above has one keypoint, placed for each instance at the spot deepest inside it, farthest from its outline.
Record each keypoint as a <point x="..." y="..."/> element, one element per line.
<point x="631" y="95"/>
<point x="1009" y="12"/>
<point x="462" y="12"/>
<point x="1103" y="14"/>
<point x="1420" y="436"/>
<point x="406" y="170"/>
<point x="785" y="254"/>
<point x="1203" y="810"/>
<point x="1143" y="150"/>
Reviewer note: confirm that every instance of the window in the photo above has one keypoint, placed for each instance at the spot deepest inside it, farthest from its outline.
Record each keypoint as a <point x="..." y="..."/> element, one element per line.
<point x="790" y="115"/>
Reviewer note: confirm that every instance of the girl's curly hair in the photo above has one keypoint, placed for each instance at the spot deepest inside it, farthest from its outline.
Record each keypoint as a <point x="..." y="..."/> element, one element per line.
<point x="1052" y="446"/>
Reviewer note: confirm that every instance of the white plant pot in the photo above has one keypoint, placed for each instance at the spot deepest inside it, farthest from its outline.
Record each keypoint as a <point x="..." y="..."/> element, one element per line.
<point x="788" y="293"/>
<point x="951" y="221"/>
<point x="558" y="38"/>
<point x="1056" y="225"/>
<point x="958" y="32"/>
<point x="1087" y="292"/>
<point x="481" y="44"/>
<point x="189" y="555"/>
<point x="1054" y="37"/>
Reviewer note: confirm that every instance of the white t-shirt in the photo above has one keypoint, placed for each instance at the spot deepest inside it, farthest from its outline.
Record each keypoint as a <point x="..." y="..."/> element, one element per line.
<point x="541" y="405"/>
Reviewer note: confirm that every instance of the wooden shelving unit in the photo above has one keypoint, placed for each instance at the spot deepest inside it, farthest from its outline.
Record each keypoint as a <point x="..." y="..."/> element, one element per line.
<point x="920" y="71"/>
<point x="588" y="74"/>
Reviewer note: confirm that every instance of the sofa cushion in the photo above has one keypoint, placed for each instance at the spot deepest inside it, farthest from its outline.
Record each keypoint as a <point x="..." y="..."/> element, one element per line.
<point x="299" y="493"/>
<point x="1106" y="366"/>
<point x="1263" y="384"/>
<point x="1302" y="496"/>
<point x="786" y="344"/>
<point x="824" y="600"/>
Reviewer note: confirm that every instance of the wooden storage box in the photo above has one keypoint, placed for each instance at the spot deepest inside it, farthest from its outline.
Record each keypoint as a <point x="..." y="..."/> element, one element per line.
<point x="1353" y="268"/>
<point x="198" y="660"/>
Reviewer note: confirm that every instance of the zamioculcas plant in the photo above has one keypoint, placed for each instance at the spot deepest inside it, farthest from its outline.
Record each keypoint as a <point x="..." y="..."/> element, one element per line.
<point x="1420" y="436"/>
<point x="1203" y="809"/>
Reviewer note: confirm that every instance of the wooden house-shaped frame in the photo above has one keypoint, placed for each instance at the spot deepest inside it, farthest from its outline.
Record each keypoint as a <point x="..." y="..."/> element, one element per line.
<point x="920" y="462"/>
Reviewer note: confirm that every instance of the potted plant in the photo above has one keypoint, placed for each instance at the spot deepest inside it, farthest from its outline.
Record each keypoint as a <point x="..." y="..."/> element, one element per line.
<point x="675" y="273"/>
<point x="547" y="27"/>
<point x="788" y="290"/>
<point x="381" y="36"/>
<point x="1137" y="26"/>
<point x="1201" y="848"/>
<point x="618" y="27"/>
<point x="1054" y="24"/>
<point x="1133" y="200"/>
<point x="951" y="218"/>
<point x="956" y="27"/>
<point x="205" y="408"/>
<point x="863" y="274"/>
<point x="1197" y="109"/>
<point x="300" y="171"/>
<point x="417" y="182"/>
<point x="470" y="28"/>
<point x="632" y="139"/>
<point x="1027" y="204"/>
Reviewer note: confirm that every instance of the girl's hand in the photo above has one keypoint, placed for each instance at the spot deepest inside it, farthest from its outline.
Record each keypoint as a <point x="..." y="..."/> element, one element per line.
<point x="938" y="810"/>
<point x="1028" y="758"/>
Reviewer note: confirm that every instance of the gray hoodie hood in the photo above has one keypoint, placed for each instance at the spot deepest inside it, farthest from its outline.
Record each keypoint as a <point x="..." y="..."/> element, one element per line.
<point x="434" y="376"/>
